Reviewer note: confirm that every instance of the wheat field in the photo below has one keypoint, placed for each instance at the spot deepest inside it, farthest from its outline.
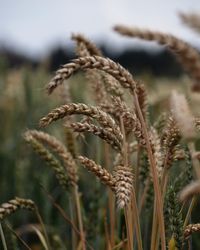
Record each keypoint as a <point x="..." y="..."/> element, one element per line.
<point x="98" y="158"/>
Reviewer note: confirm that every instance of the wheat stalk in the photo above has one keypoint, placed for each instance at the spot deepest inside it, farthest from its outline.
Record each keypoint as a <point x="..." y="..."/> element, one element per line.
<point x="190" y="190"/>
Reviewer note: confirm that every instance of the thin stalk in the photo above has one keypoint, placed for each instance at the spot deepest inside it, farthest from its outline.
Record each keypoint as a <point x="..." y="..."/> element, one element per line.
<point x="135" y="214"/>
<point x="195" y="161"/>
<point x="154" y="227"/>
<point x="18" y="237"/>
<point x="3" y="238"/>
<point x="128" y="229"/>
<point x="143" y="197"/>
<point x="120" y="245"/>
<point x="127" y="210"/>
<point x="111" y="200"/>
<point x="189" y="211"/>
<point x="43" y="227"/>
<point x="79" y="216"/>
<point x="108" y="243"/>
<point x="137" y="170"/>
<point x="158" y="197"/>
<point x="72" y="219"/>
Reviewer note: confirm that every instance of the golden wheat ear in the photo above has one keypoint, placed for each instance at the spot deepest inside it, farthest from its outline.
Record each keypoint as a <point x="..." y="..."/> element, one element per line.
<point x="104" y="119"/>
<point x="101" y="173"/>
<point x="57" y="147"/>
<point x="50" y="160"/>
<point x="92" y="62"/>
<point x="102" y="133"/>
<point x="182" y="115"/>
<point x="192" y="20"/>
<point x="123" y="177"/>
<point x="190" y="229"/>
<point x="84" y="46"/>
<point x="13" y="205"/>
<point x="186" y="54"/>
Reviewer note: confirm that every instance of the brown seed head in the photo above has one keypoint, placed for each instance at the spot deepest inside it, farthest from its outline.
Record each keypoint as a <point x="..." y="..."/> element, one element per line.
<point x="124" y="185"/>
<point x="60" y="149"/>
<point x="188" y="56"/>
<point x="13" y="205"/>
<point x="104" y="176"/>
<point x="182" y="115"/>
<point x="192" y="228"/>
<point x="93" y="62"/>
<point x="103" y="133"/>
<point x="79" y="108"/>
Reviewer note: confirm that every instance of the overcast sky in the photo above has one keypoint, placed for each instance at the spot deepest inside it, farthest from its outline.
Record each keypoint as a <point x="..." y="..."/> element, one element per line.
<point x="34" y="26"/>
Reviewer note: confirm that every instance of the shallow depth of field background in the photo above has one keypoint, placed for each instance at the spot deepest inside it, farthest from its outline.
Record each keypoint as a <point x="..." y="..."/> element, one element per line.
<point x="34" y="42"/>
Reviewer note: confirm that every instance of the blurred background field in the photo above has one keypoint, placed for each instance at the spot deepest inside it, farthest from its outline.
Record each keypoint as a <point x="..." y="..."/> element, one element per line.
<point x="24" y="74"/>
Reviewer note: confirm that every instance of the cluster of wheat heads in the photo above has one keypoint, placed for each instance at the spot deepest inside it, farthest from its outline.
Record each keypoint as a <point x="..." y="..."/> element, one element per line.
<point x="154" y="201"/>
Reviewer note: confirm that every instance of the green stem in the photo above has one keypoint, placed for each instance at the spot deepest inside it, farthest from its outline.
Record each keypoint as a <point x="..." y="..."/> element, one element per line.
<point x="3" y="238"/>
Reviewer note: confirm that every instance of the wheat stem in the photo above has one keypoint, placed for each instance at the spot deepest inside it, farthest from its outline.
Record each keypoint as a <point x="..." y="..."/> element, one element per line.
<point x="158" y="197"/>
<point x="79" y="215"/>
<point x="192" y="204"/>
<point x="3" y="238"/>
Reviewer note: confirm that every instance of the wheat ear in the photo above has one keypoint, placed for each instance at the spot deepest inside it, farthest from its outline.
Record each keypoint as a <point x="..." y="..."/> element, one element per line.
<point x="79" y="108"/>
<point x="124" y="185"/>
<point x="192" y="228"/>
<point x="61" y="150"/>
<point x="182" y="115"/>
<point x="169" y="139"/>
<point x="92" y="62"/>
<point x="156" y="148"/>
<point x="188" y="56"/>
<point x="104" y="176"/>
<point x="85" y="47"/>
<point x="15" y="204"/>
<point x="192" y="20"/>
<point x="49" y="159"/>
<point x="102" y="133"/>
